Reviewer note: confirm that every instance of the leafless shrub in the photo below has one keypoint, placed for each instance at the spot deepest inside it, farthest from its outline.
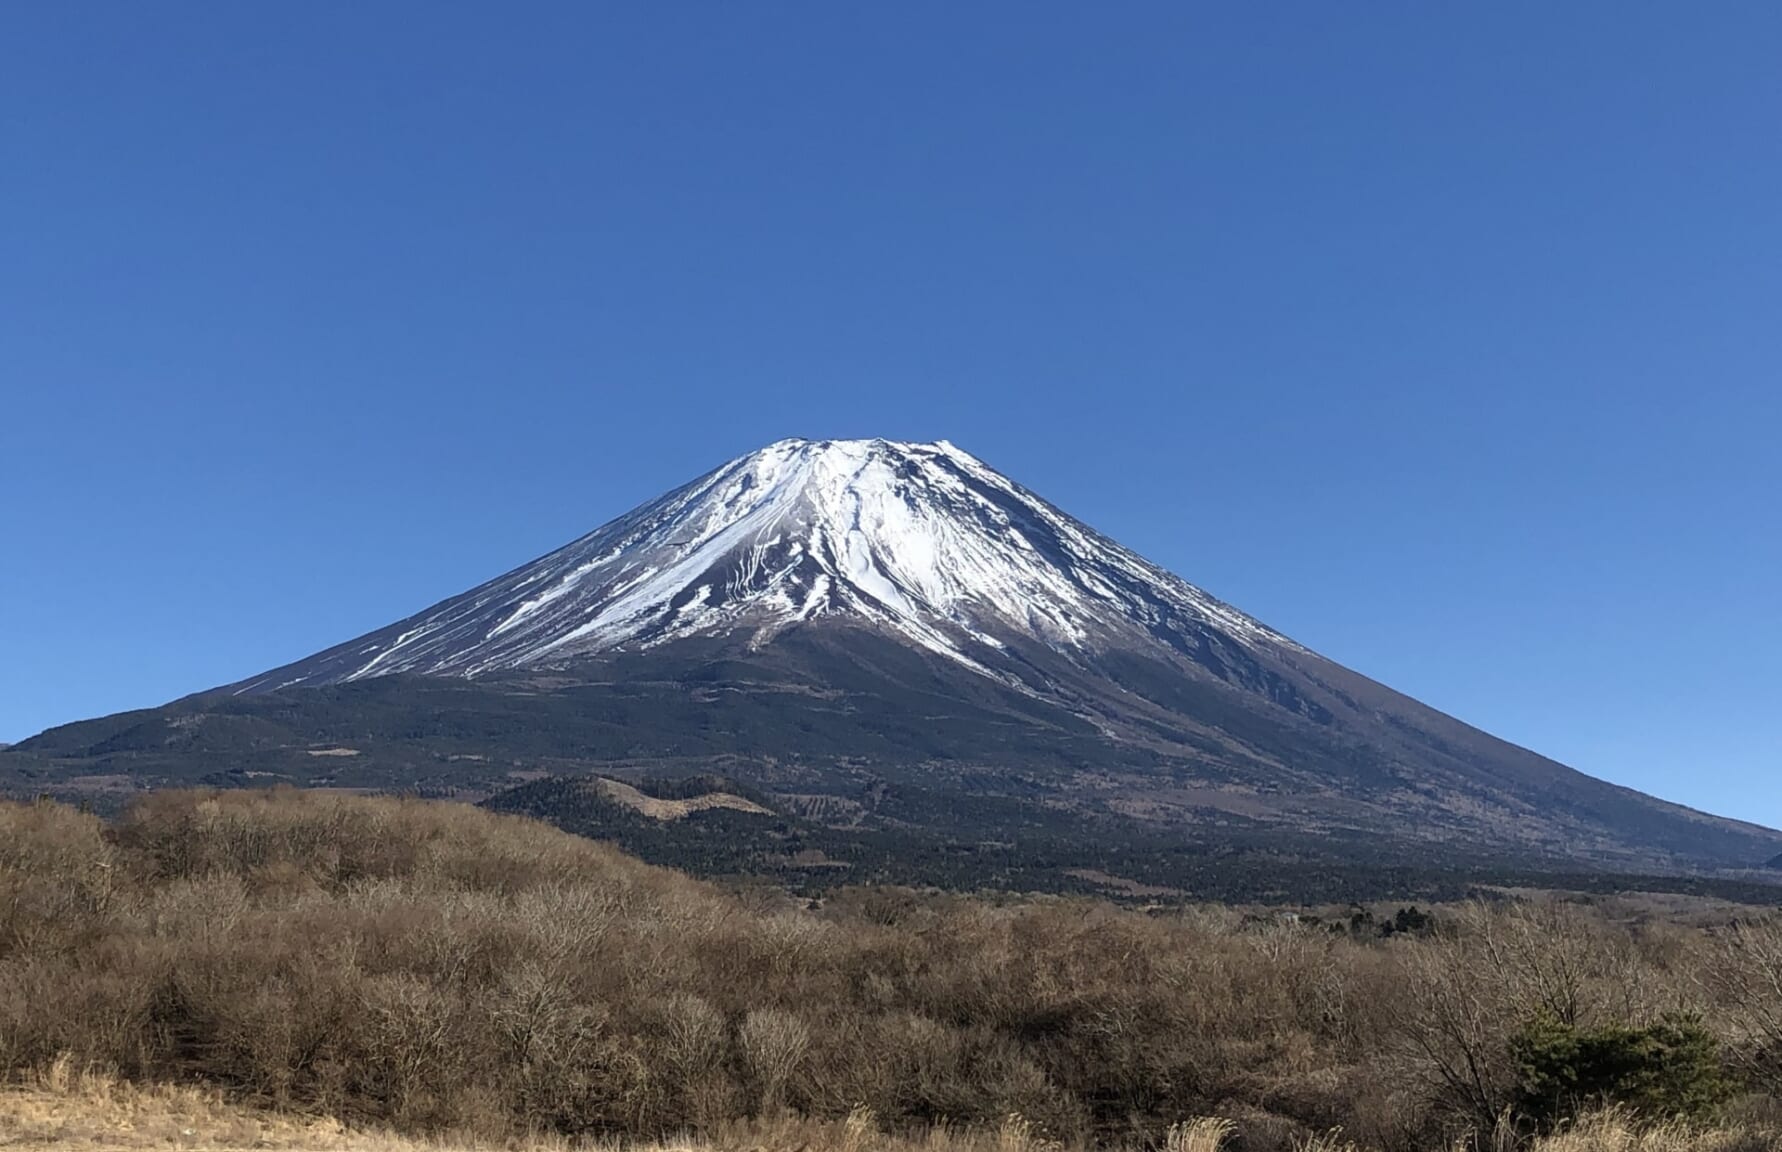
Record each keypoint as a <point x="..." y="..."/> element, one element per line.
<point x="774" y="1044"/>
<point x="1747" y="971"/>
<point x="444" y="970"/>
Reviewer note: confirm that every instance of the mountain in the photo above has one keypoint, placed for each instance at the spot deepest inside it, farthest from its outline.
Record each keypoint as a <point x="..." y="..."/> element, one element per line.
<point x="919" y="543"/>
<point x="895" y="638"/>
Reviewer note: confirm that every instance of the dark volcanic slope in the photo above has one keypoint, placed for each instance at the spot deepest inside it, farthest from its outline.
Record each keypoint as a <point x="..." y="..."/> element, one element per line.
<point x="823" y="618"/>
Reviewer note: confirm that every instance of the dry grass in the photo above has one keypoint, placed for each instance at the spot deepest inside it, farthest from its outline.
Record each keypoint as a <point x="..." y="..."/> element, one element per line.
<point x="88" y="1112"/>
<point x="92" y="1112"/>
<point x="1613" y="1132"/>
<point x="1202" y="1134"/>
<point x="657" y="808"/>
<point x="432" y="969"/>
<point x="66" y="1109"/>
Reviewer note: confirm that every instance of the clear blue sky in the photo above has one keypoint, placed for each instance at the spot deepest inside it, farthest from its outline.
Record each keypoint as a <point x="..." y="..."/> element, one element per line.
<point x="1447" y="339"/>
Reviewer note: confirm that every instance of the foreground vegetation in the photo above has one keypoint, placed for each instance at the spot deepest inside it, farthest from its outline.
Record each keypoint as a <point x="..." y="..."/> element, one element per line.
<point x="89" y="1112"/>
<point x="425" y="968"/>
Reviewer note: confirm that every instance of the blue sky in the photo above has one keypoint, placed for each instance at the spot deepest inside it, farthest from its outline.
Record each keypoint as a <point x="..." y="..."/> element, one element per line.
<point x="1444" y="339"/>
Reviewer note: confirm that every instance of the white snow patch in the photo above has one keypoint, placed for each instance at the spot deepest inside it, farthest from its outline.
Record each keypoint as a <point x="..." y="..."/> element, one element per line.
<point x="919" y="540"/>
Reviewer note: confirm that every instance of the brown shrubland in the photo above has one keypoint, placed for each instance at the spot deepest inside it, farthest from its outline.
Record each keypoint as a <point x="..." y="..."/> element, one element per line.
<point x="423" y="968"/>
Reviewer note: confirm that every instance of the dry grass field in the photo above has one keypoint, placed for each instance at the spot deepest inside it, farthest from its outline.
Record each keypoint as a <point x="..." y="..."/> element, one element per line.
<point x="85" y="1112"/>
<point x="63" y="1108"/>
<point x="232" y="969"/>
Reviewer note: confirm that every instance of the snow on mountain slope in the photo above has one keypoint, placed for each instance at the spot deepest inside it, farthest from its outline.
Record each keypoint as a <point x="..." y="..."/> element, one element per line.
<point x="920" y="541"/>
<point x="830" y="615"/>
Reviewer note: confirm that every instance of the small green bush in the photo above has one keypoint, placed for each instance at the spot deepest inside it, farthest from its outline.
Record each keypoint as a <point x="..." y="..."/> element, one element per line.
<point x="1669" y="1069"/>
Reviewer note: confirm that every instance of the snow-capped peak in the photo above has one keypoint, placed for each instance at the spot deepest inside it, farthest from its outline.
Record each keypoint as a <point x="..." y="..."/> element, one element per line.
<point x="922" y="541"/>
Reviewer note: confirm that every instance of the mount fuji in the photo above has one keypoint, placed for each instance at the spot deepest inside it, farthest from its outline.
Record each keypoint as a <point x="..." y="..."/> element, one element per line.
<point x="877" y="638"/>
<point x="921" y="543"/>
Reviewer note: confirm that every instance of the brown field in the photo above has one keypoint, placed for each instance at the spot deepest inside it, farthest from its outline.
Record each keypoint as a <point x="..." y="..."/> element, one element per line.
<point x="659" y="809"/>
<point x="85" y="1112"/>
<point x="240" y="969"/>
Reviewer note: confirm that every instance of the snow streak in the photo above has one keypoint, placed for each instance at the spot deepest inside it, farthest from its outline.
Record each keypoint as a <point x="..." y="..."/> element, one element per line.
<point x="921" y="541"/>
